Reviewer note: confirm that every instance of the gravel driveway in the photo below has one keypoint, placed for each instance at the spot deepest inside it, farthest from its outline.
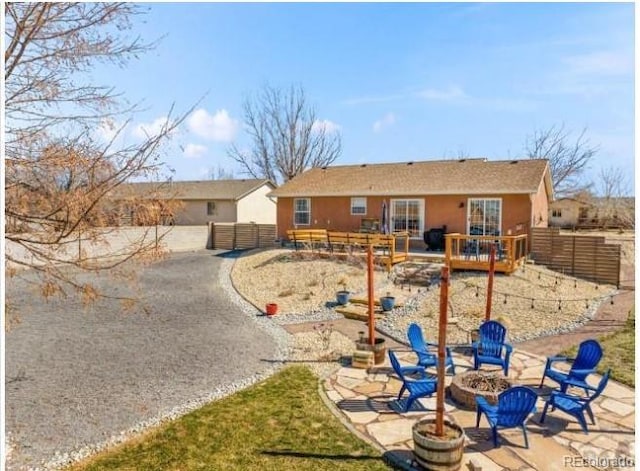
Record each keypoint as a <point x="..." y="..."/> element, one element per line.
<point x="76" y="378"/>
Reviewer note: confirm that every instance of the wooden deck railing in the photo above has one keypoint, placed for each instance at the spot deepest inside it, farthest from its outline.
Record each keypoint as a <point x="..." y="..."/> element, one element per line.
<point x="392" y="248"/>
<point x="469" y="252"/>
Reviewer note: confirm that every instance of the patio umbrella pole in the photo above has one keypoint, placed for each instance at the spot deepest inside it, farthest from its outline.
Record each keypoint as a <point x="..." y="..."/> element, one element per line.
<point x="442" y="340"/>
<point x="492" y="269"/>
<point x="372" y="319"/>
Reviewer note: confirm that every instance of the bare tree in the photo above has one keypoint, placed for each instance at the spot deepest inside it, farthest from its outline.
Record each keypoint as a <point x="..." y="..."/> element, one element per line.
<point x="61" y="179"/>
<point x="287" y="138"/>
<point x="220" y="173"/>
<point x="567" y="159"/>
<point x="615" y="206"/>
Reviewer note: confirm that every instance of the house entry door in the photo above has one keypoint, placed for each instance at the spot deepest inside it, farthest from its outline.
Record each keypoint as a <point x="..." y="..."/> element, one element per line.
<point x="407" y="216"/>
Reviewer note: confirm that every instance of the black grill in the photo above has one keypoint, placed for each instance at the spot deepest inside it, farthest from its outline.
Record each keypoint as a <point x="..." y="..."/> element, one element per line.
<point x="434" y="238"/>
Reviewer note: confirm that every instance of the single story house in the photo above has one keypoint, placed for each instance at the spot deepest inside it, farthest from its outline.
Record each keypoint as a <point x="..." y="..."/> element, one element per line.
<point x="469" y="196"/>
<point x="200" y="202"/>
<point x="587" y="211"/>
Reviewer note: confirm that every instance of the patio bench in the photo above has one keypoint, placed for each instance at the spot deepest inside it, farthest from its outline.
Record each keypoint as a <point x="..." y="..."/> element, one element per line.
<point x="308" y="238"/>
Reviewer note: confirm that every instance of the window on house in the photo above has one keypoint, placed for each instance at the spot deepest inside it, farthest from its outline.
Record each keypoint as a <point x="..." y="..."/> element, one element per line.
<point x="407" y="216"/>
<point x="556" y="213"/>
<point x="301" y="211"/>
<point x="358" y="206"/>
<point x="485" y="216"/>
<point x="211" y="208"/>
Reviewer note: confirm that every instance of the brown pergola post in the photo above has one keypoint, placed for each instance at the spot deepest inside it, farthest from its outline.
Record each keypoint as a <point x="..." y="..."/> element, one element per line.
<point x="442" y="340"/>
<point x="492" y="270"/>
<point x="372" y="319"/>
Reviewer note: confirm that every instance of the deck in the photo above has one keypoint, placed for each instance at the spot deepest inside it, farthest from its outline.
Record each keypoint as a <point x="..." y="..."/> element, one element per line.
<point x="470" y="252"/>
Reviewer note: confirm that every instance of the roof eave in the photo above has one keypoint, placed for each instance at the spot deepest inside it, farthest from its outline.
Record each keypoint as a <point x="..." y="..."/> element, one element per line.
<point x="258" y="185"/>
<point x="403" y="193"/>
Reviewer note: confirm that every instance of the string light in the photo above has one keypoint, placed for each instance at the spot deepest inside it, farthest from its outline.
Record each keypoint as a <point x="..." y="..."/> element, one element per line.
<point x="505" y="299"/>
<point x="612" y="300"/>
<point x="559" y="305"/>
<point x="532" y="306"/>
<point x="477" y="291"/>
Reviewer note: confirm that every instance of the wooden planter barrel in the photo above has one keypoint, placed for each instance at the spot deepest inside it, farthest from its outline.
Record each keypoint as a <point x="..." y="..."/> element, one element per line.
<point x="378" y="349"/>
<point x="437" y="454"/>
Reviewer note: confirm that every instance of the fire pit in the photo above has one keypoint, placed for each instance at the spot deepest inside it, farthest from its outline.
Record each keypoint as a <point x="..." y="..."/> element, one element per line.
<point x="466" y="386"/>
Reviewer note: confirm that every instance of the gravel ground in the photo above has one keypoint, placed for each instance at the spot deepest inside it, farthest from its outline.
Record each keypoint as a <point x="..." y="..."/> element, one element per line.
<point x="78" y="380"/>
<point x="304" y="288"/>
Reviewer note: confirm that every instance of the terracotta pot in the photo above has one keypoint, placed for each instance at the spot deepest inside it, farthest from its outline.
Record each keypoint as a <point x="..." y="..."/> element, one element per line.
<point x="272" y="309"/>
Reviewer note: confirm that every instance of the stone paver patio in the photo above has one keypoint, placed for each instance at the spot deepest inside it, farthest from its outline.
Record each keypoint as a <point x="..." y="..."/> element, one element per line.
<point x="366" y="401"/>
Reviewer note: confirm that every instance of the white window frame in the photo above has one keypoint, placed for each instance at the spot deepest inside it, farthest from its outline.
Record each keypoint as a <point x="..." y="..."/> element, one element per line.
<point x="295" y="211"/>
<point x="421" y="220"/>
<point x="363" y="204"/>
<point x="484" y="223"/>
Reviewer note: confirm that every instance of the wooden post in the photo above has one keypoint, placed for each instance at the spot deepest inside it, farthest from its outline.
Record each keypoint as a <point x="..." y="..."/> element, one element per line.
<point x="372" y="319"/>
<point x="492" y="269"/>
<point x="447" y="249"/>
<point x="442" y="340"/>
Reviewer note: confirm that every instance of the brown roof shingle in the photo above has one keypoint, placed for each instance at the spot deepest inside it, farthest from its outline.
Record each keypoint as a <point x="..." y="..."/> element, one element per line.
<point x="431" y="177"/>
<point x="193" y="190"/>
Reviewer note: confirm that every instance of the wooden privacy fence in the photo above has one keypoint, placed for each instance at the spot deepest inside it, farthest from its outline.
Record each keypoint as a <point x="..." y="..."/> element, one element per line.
<point x="587" y="257"/>
<point x="231" y="236"/>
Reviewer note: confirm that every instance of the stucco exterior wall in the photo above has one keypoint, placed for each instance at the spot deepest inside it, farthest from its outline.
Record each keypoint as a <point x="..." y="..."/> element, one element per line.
<point x="335" y="212"/>
<point x="570" y="211"/>
<point x="257" y="207"/>
<point x="194" y="212"/>
<point x="540" y="207"/>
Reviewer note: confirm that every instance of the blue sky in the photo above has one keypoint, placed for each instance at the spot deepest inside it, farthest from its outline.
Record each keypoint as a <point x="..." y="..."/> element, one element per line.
<point x="399" y="81"/>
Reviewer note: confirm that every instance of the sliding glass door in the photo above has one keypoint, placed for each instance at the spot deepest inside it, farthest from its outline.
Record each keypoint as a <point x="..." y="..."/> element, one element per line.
<point x="407" y="216"/>
<point x="484" y="216"/>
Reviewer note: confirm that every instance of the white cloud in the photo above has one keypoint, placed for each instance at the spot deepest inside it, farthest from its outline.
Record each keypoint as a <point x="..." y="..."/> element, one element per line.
<point x="194" y="151"/>
<point x="145" y="130"/>
<point x="386" y="121"/>
<point x="328" y="126"/>
<point x="601" y="63"/>
<point x="218" y="127"/>
<point x="450" y="94"/>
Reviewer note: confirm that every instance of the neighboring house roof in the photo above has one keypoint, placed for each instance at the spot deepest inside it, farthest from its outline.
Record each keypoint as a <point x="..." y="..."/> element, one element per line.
<point x="194" y="190"/>
<point x="434" y="177"/>
<point x="596" y="201"/>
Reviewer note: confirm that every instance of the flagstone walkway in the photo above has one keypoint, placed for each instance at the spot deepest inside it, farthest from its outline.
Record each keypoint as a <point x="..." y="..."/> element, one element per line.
<point x="366" y="402"/>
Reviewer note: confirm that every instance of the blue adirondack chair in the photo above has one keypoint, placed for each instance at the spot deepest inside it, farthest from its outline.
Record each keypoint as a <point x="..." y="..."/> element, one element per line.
<point x="424" y="386"/>
<point x="513" y="409"/>
<point x="421" y="349"/>
<point x="585" y="362"/>
<point x="576" y="405"/>
<point x="491" y="348"/>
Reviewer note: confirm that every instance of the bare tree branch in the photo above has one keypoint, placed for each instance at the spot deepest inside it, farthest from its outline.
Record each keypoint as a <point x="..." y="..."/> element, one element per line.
<point x="286" y="136"/>
<point x="61" y="181"/>
<point x="615" y="205"/>
<point x="567" y="160"/>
